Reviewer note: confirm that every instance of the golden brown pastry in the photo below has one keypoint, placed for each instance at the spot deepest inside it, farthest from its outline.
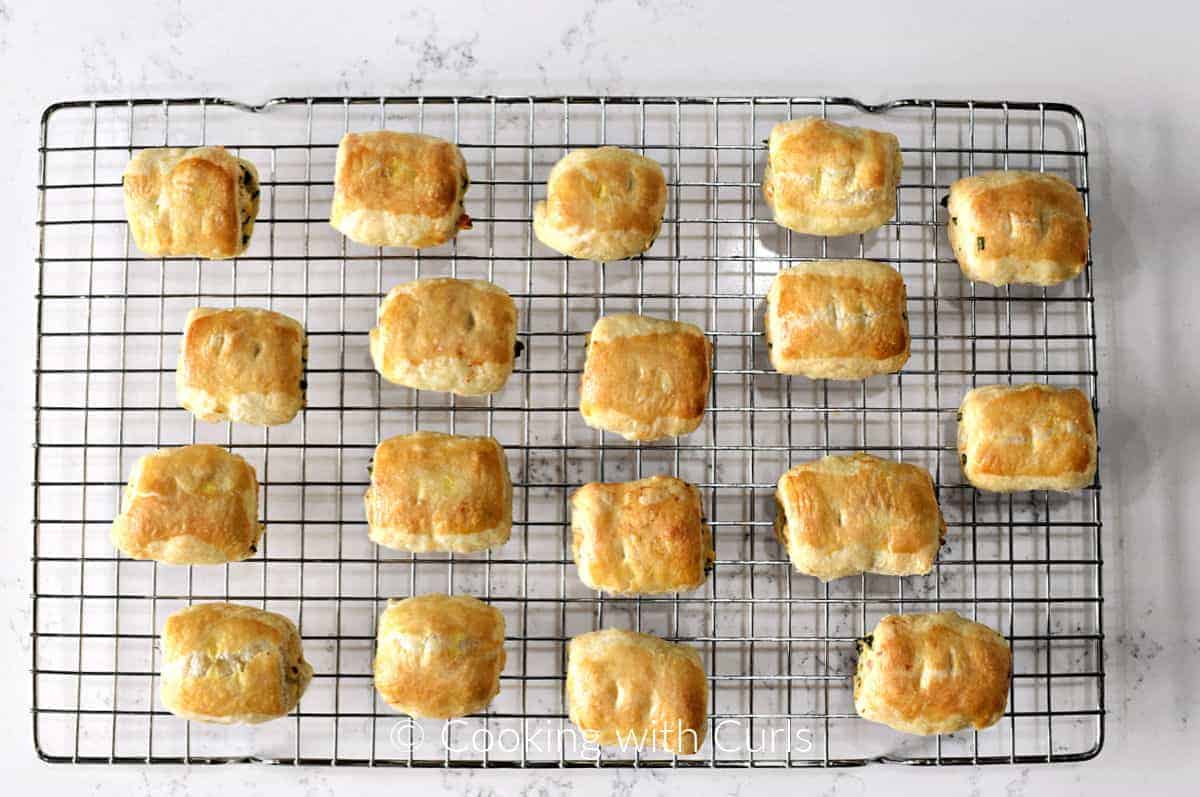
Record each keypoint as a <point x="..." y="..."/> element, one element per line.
<point x="602" y="204"/>
<point x="1027" y="437"/>
<point x="439" y="656"/>
<point x="446" y="334"/>
<point x="932" y="673"/>
<point x="231" y="664"/>
<point x="645" y="378"/>
<point x="241" y="364"/>
<point x="644" y="537"/>
<point x="636" y="690"/>
<point x="844" y="515"/>
<point x="1017" y="227"/>
<point x="399" y="189"/>
<point x="837" y="319"/>
<point x="195" y="505"/>
<point x="439" y="492"/>
<point x="199" y="202"/>
<point x="823" y="178"/>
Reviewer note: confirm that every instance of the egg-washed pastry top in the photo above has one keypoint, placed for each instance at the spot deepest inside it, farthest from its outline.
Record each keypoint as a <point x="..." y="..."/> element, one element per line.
<point x="399" y="189"/>
<point x="1027" y="437"/>
<point x="438" y="492"/>
<point x="191" y="202"/>
<point x="637" y="691"/>
<point x="645" y="378"/>
<point x="837" y="319"/>
<point x="823" y="178"/>
<point x="932" y="673"/>
<point x="602" y="204"/>
<point x="845" y="515"/>
<point x="643" y="537"/>
<point x="446" y="334"/>
<point x="231" y="664"/>
<point x="193" y="505"/>
<point x="1017" y="227"/>
<point x="242" y="364"/>
<point x="439" y="656"/>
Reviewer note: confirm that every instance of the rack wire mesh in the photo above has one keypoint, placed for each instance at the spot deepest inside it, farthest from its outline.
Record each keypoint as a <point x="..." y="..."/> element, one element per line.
<point x="778" y="646"/>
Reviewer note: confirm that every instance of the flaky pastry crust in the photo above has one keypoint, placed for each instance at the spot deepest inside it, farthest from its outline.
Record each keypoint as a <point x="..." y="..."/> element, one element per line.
<point x="823" y="178"/>
<point x="602" y="204"/>
<point x="932" y="673"/>
<point x="645" y="378"/>
<point x="399" y="189"/>
<point x="185" y="202"/>
<point x="438" y="492"/>
<point x="231" y="664"/>
<point x="446" y="334"/>
<point x="837" y="319"/>
<point x="193" y="505"/>
<point x="645" y="537"/>
<point x="439" y="656"/>
<point x="1017" y="227"/>
<point x="242" y="364"/>
<point x="844" y="515"/>
<point x="637" y="691"/>
<point x="1027" y="437"/>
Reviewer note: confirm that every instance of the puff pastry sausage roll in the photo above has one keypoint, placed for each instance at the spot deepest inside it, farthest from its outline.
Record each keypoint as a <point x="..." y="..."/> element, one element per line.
<point x="231" y="664"/>
<point x="199" y="202"/>
<point x="195" y="505"/>
<point x="837" y="319"/>
<point x="446" y="334"/>
<point x="439" y="656"/>
<point x="645" y="378"/>
<point x="1017" y="227"/>
<point x="399" y="189"/>
<point x="932" y="673"/>
<point x="242" y="364"/>
<point x="439" y="492"/>
<point x="602" y="204"/>
<point x="644" y="537"/>
<point x="844" y="515"/>
<point x="1027" y="437"/>
<point x="631" y="689"/>
<point x="824" y="178"/>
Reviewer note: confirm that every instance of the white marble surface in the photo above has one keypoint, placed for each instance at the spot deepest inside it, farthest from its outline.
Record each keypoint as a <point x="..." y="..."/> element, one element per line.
<point x="1133" y="69"/>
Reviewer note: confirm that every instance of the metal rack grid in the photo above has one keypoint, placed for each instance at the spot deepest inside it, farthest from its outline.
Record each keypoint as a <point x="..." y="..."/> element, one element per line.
<point x="778" y="646"/>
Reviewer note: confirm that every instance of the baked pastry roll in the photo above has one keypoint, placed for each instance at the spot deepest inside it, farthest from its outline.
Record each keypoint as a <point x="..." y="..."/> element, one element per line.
<point x="446" y="334"/>
<point x="644" y="537"/>
<point x="844" y="515"/>
<point x="199" y="202"/>
<point x="1017" y="227"/>
<point x="602" y="204"/>
<point x="439" y="656"/>
<point x="645" y="378"/>
<point x="823" y="178"/>
<point x="231" y="664"/>
<point x="636" y="690"/>
<point x="1027" y="437"/>
<point x="196" y="505"/>
<point x="439" y="492"/>
<point x="241" y="364"/>
<point x="932" y="673"/>
<point x="837" y="319"/>
<point x="399" y="189"/>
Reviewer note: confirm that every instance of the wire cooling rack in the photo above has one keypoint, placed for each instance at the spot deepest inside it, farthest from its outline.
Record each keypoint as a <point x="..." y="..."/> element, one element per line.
<point x="778" y="646"/>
